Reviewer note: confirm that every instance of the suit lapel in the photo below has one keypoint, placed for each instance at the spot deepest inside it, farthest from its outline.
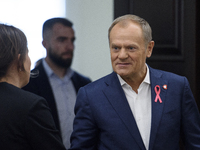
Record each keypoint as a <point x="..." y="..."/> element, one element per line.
<point x="117" y="98"/>
<point x="157" y="107"/>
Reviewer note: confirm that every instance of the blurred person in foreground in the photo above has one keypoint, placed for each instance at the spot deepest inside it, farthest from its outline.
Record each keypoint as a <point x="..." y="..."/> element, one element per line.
<point x="56" y="81"/>
<point x="26" y="121"/>
<point x="135" y="107"/>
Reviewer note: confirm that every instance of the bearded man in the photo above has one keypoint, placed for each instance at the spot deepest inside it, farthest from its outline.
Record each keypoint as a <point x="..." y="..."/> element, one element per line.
<point x="56" y="81"/>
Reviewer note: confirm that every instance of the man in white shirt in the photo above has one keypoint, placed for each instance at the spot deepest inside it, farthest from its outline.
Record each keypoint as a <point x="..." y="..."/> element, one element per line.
<point x="56" y="81"/>
<point x="135" y="107"/>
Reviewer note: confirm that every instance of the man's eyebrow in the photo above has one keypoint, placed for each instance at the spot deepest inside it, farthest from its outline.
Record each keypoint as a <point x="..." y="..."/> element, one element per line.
<point x="62" y="37"/>
<point x="113" y="44"/>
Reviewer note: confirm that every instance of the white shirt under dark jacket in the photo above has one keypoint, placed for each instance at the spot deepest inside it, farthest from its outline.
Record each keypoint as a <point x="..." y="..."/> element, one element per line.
<point x="65" y="97"/>
<point x="140" y="105"/>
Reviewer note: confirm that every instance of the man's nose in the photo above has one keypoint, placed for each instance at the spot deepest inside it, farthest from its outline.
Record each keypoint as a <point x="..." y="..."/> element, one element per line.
<point x="70" y="45"/>
<point x="123" y="54"/>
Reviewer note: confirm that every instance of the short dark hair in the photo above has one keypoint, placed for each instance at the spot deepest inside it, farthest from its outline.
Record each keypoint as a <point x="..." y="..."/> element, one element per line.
<point x="12" y="42"/>
<point x="48" y="24"/>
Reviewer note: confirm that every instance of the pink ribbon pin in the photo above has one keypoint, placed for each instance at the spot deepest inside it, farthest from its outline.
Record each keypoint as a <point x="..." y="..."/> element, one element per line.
<point x="157" y="90"/>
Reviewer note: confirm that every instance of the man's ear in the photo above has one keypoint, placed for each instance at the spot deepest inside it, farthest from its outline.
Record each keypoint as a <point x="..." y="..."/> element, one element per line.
<point x="44" y="43"/>
<point x="150" y="48"/>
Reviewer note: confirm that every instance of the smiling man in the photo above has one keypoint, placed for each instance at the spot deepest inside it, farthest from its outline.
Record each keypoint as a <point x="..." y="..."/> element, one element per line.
<point x="135" y="107"/>
<point x="129" y="51"/>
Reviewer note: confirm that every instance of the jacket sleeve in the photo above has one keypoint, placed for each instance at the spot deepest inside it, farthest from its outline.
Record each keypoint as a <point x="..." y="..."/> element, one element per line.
<point x="85" y="131"/>
<point x="40" y="128"/>
<point x="190" y="120"/>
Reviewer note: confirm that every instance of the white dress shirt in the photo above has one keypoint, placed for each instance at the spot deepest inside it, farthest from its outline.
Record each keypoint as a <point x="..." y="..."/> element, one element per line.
<point x="65" y="97"/>
<point x="140" y="105"/>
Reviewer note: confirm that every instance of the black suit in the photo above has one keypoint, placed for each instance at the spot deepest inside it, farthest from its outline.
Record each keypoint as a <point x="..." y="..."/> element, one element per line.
<point x="26" y="121"/>
<point x="41" y="86"/>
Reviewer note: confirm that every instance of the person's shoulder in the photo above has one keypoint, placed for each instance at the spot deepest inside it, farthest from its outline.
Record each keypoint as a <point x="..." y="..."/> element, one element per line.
<point x="31" y="95"/>
<point x="22" y="97"/>
<point x="170" y="76"/>
<point x="99" y="83"/>
<point x="81" y="77"/>
<point x="30" y="99"/>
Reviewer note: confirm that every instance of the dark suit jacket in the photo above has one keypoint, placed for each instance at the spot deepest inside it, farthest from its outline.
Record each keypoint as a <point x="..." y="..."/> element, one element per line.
<point x="41" y="86"/>
<point x="104" y="120"/>
<point x="26" y="121"/>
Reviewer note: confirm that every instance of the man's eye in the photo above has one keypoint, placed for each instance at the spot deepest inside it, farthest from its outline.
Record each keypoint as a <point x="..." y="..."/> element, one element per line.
<point x="61" y="39"/>
<point x="131" y="48"/>
<point x="115" y="48"/>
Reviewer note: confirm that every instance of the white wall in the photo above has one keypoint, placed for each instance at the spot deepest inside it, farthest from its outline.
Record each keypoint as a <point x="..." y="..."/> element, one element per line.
<point x="29" y="16"/>
<point x="91" y="19"/>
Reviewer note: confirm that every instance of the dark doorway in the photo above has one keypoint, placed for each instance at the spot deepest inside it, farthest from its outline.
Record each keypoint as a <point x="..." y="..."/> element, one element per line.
<point x="176" y="32"/>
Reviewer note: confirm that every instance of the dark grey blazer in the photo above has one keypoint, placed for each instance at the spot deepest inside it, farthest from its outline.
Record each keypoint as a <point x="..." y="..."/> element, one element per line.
<point x="26" y="121"/>
<point x="41" y="86"/>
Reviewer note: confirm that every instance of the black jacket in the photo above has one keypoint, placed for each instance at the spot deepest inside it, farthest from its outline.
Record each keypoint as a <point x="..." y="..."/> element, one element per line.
<point x="26" y="121"/>
<point x="41" y="86"/>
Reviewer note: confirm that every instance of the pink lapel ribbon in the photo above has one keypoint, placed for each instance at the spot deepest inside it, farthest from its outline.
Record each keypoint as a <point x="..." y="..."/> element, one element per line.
<point x="157" y="90"/>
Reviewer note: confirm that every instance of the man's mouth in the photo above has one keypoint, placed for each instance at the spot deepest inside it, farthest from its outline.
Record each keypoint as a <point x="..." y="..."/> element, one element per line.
<point x="123" y="64"/>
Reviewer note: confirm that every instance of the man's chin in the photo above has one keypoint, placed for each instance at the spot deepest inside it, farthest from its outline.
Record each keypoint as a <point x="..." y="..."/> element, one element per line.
<point x="121" y="73"/>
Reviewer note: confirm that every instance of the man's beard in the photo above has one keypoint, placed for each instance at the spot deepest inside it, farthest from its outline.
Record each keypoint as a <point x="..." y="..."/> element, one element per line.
<point x="58" y="60"/>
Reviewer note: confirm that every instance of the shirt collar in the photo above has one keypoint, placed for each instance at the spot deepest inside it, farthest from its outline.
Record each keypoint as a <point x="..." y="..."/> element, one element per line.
<point x="146" y="79"/>
<point x="50" y="72"/>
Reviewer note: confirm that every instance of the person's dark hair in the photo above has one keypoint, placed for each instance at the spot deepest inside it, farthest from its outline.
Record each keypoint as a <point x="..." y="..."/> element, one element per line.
<point x="48" y="25"/>
<point x="12" y="42"/>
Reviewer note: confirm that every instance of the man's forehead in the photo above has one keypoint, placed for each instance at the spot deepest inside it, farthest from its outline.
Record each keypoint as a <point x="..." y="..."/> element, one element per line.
<point x="126" y="27"/>
<point x="61" y="30"/>
<point x="59" y="26"/>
